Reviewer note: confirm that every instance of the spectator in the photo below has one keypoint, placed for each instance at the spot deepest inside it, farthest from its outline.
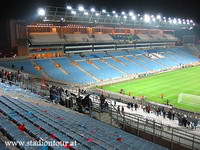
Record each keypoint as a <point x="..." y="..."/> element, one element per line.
<point x="169" y="114"/>
<point x="184" y="121"/>
<point x="173" y="114"/>
<point x="195" y="122"/>
<point x="122" y="110"/>
<point x="164" y="113"/>
<point x="118" y="109"/>
<point x="136" y="106"/>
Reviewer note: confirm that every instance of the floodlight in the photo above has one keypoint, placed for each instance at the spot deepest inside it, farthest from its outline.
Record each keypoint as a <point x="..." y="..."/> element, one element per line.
<point x="191" y="21"/>
<point x="133" y="17"/>
<point x="62" y="19"/>
<point x="125" y="17"/>
<point x="81" y="8"/>
<point x="174" y="21"/>
<point x="170" y="21"/>
<point x="69" y="7"/>
<point x="97" y="14"/>
<point x="179" y="21"/>
<point x="103" y="11"/>
<point x="116" y="16"/>
<point x="73" y="12"/>
<point x="123" y="13"/>
<point x="193" y="24"/>
<point x="86" y="13"/>
<point x="41" y="12"/>
<point x="108" y="15"/>
<point x="152" y="16"/>
<point x="130" y="13"/>
<point x="147" y="18"/>
<point x="165" y="20"/>
<point x="158" y="17"/>
<point x="114" y="12"/>
<point x="92" y="10"/>
<point x="184" y="22"/>
<point x="154" y="19"/>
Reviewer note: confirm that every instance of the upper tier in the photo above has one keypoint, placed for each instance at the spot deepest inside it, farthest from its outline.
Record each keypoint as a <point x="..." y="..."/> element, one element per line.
<point x="45" y="38"/>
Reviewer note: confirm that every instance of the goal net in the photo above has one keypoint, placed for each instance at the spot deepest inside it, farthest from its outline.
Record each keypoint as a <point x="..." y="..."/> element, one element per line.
<point x="189" y="99"/>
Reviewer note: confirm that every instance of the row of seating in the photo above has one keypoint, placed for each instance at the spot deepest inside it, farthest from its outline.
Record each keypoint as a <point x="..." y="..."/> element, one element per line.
<point x="55" y="38"/>
<point x="51" y="124"/>
<point x="106" y="65"/>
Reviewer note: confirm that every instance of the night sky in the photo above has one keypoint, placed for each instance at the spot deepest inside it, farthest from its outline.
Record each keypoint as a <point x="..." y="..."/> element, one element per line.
<point x="174" y="8"/>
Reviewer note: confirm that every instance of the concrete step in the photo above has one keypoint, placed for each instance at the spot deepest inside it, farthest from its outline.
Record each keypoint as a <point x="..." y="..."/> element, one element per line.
<point x="60" y="68"/>
<point x="84" y="71"/>
<point x="43" y="72"/>
<point x="112" y="66"/>
<point x="119" y="61"/>
<point x="94" y="65"/>
<point x="154" y="60"/>
<point x="146" y="68"/>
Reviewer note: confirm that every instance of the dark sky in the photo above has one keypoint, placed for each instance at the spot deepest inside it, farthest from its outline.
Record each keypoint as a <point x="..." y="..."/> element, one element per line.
<point x="174" y="8"/>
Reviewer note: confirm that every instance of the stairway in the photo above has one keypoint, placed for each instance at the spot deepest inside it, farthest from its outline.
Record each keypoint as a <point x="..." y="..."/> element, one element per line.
<point x="156" y="61"/>
<point x="146" y="68"/>
<point x="119" y="61"/>
<point x="60" y="68"/>
<point x="115" y="68"/>
<point x="138" y="58"/>
<point x="43" y="72"/>
<point x="94" y="65"/>
<point x="84" y="71"/>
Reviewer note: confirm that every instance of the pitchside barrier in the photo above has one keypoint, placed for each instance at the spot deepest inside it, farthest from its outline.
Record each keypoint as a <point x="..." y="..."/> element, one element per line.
<point x="142" y="101"/>
<point x="147" y="128"/>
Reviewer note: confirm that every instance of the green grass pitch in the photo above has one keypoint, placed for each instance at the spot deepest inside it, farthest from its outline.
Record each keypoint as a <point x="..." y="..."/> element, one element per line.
<point x="180" y="87"/>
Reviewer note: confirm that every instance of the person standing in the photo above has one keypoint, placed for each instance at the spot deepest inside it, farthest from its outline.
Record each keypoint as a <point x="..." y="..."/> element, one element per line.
<point x="136" y="106"/>
<point x="164" y="113"/>
<point x="173" y="114"/>
<point x="122" y="110"/>
<point x="118" y="109"/>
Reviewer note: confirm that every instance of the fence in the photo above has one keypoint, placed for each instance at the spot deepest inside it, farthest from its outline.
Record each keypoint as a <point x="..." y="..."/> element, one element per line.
<point x="170" y="137"/>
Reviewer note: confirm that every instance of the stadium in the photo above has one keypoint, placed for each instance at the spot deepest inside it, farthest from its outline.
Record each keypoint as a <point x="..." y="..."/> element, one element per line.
<point x="86" y="78"/>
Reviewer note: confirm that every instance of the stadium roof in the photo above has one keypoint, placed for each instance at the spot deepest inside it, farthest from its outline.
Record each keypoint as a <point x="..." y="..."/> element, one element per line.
<point x="82" y="15"/>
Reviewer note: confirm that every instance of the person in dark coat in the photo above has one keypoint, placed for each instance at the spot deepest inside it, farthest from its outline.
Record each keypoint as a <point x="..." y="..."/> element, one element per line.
<point x="136" y="106"/>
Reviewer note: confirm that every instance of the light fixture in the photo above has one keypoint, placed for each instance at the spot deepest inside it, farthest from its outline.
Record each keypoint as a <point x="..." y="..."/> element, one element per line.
<point x="69" y="7"/>
<point x="81" y="8"/>
<point x="103" y="11"/>
<point x="86" y="13"/>
<point x="147" y="18"/>
<point x="114" y="12"/>
<point x="131" y="13"/>
<point x="92" y="10"/>
<point x="73" y="12"/>
<point x="41" y="12"/>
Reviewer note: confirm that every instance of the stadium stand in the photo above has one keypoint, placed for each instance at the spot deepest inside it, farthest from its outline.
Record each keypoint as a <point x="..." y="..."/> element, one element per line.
<point x="76" y="69"/>
<point x="25" y="121"/>
<point x="45" y="38"/>
<point x="41" y="38"/>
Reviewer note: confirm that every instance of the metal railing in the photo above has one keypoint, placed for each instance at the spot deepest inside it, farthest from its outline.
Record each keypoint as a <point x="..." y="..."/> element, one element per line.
<point x="168" y="133"/>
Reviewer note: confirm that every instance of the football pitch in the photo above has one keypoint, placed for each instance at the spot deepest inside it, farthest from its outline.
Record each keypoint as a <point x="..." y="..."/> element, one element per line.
<point x="181" y="88"/>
